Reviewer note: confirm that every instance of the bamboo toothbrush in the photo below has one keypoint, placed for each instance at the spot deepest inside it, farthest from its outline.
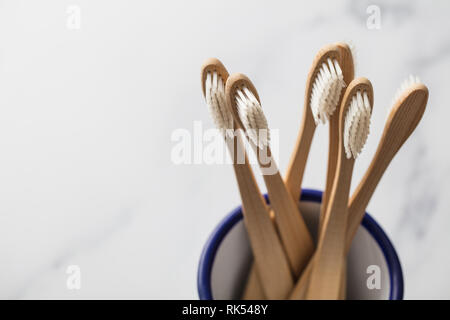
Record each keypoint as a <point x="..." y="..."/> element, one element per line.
<point x="354" y="122"/>
<point x="271" y="262"/>
<point x="406" y="112"/>
<point x="332" y="69"/>
<point x="245" y="106"/>
<point x="348" y="72"/>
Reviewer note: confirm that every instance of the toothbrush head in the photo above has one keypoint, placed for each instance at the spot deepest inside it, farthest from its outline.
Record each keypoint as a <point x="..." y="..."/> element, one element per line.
<point x="408" y="107"/>
<point x="404" y="89"/>
<point x="246" y="108"/>
<point x="355" y="116"/>
<point x="214" y="76"/>
<point x="328" y="79"/>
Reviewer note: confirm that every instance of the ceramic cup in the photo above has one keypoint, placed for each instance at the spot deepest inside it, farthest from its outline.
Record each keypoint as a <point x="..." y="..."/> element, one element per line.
<point x="373" y="267"/>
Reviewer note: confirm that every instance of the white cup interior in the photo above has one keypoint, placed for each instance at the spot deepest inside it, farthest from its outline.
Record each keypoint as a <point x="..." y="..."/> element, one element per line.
<point x="233" y="259"/>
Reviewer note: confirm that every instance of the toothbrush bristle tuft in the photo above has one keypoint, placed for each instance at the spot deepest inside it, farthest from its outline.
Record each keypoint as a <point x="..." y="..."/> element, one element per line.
<point x="357" y="124"/>
<point x="216" y="101"/>
<point x="252" y="117"/>
<point x="326" y="90"/>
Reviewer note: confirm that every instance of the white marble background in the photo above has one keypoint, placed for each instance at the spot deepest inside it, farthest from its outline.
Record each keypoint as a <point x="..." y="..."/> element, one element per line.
<point x="86" y="118"/>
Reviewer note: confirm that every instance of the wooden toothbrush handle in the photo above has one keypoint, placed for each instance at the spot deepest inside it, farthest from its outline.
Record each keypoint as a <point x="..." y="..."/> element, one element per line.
<point x="343" y="285"/>
<point x="366" y="188"/>
<point x="253" y="289"/>
<point x="329" y="258"/>
<point x="299" y="157"/>
<point x="294" y="233"/>
<point x="333" y="149"/>
<point x="271" y="262"/>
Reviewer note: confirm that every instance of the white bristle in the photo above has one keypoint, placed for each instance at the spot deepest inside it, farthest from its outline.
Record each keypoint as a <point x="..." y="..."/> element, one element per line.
<point x="216" y="101"/>
<point x="406" y="84"/>
<point x="252" y="117"/>
<point x="357" y="124"/>
<point x="326" y="90"/>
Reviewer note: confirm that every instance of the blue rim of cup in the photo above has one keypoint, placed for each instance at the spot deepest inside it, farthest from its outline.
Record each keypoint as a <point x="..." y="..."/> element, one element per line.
<point x="210" y="249"/>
